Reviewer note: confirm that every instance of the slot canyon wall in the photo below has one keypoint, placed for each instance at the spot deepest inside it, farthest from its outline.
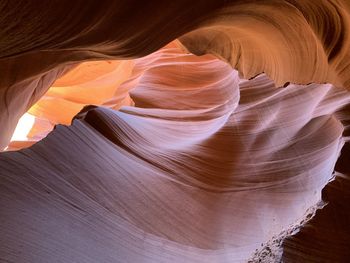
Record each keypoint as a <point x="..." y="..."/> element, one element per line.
<point x="204" y="131"/>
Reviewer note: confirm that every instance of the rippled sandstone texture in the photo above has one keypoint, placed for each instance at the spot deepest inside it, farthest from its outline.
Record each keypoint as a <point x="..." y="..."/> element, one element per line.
<point x="184" y="160"/>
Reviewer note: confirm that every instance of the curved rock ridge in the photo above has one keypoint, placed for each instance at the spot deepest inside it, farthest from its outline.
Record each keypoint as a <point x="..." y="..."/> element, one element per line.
<point x="204" y="166"/>
<point x="254" y="36"/>
<point x="291" y="41"/>
<point x="88" y="83"/>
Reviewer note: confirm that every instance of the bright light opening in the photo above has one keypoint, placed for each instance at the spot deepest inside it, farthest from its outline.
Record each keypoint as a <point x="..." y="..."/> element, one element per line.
<point x="23" y="127"/>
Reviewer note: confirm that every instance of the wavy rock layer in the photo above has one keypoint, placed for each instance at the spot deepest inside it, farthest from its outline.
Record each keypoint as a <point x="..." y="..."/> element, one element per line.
<point x="95" y="83"/>
<point x="205" y="167"/>
<point x="254" y="36"/>
<point x="325" y="238"/>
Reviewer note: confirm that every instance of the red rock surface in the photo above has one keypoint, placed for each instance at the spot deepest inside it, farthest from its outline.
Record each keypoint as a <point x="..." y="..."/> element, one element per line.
<point x="182" y="132"/>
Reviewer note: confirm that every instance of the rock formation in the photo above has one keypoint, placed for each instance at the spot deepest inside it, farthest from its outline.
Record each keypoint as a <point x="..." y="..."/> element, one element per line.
<point x="210" y="131"/>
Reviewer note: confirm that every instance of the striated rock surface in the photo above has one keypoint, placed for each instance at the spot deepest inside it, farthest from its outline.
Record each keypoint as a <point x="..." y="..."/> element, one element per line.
<point x="291" y="41"/>
<point x="161" y="151"/>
